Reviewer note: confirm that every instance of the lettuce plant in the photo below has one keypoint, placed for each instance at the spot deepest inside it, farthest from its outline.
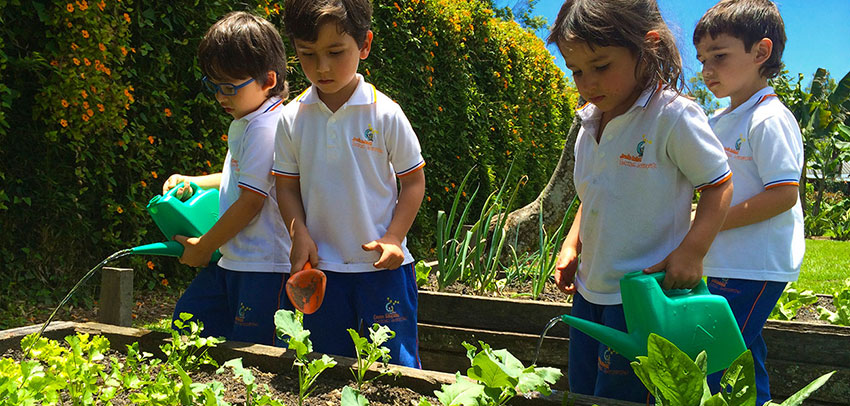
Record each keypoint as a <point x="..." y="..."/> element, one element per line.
<point x="841" y="301"/>
<point x="188" y="348"/>
<point x="674" y="379"/>
<point x="289" y="326"/>
<point x="791" y="301"/>
<point x="370" y="352"/>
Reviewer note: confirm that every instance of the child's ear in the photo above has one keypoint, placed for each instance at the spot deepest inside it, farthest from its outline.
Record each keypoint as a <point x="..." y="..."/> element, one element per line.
<point x="652" y="37"/>
<point x="763" y="49"/>
<point x="367" y="45"/>
<point x="271" y="80"/>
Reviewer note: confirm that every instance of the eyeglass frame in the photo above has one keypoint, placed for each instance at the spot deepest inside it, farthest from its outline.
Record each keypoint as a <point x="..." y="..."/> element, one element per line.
<point x="217" y="88"/>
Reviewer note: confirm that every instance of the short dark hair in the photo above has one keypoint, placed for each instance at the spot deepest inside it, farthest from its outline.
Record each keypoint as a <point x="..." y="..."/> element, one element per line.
<point x="242" y="44"/>
<point x="750" y="21"/>
<point x="623" y="23"/>
<point x="302" y="18"/>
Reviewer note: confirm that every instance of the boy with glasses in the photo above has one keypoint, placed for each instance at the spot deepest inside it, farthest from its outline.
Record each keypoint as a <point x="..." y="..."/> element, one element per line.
<point x="244" y="61"/>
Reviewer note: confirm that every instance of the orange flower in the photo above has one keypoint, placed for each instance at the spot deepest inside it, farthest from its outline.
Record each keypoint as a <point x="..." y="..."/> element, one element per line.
<point x="368" y="73"/>
<point x="70" y="25"/>
<point x="54" y="63"/>
<point x="127" y="17"/>
<point x="447" y="188"/>
<point x="394" y="3"/>
<point x="428" y="197"/>
<point x="120" y="143"/>
<point x="209" y="164"/>
<point x="124" y="51"/>
<point x="167" y="112"/>
<point x="101" y="5"/>
<point x="440" y="108"/>
<point x="83" y="5"/>
<point x="87" y="61"/>
<point x="394" y="24"/>
<point x="74" y="46"/>
<point x="153" y="173"/>
<point x="90" y="112"/>
<point x="119" y="210"/>
<point x="100" y="107"/>
<point x="453" y="185"/>
<point x="76" y="61"/>
<point x="150" y="139"/>
<point x="85" y="104"/>
<point x="224" y="137"/>
<point x="164" y="282"/>
<point x="63" y="122"/>
<point x="70" y="8"/>
<point x="200" y="146"/>
<point x="102" y="47"/>
<point x="144" y="184"/>
<point x="64" y="103"/>
<point x="84" y="94"/>
<point x="85" y="117"/>
<point x="83" y="76"/>
<point x="150" y="265"/>
<point x="85" y="33"/>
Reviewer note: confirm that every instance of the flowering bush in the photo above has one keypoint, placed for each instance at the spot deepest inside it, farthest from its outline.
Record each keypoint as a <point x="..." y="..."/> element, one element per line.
<point x="106" y="102"/>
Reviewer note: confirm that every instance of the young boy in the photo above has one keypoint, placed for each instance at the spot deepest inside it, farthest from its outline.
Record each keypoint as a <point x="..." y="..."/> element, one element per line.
<point x="341" y="147"/>
<point x="760" y="249"/>
<point x="244" y="61"/>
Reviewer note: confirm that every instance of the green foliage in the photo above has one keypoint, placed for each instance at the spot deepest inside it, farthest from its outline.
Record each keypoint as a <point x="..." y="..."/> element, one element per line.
<point x="494" y="378"/>
<point x="549" y="250"/>
<point x="187" y="348"/>
<point x="353" y="397"/>
<point x="422" y="273"/>
<point x="791" y="301"/>
<point x="674" y="379"/>
<point x="93" y="141"/>
<point x="289" y="326"/>
<point x="247" y="378"/>
<point x="451" y="251"/>
<point x="701" y="94"/>
<point x="841" y="301"/>
<point x="370" y="351"/>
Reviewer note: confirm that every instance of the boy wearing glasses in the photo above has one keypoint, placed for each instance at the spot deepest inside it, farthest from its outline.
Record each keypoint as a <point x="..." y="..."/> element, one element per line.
<point x="244" y="61"/>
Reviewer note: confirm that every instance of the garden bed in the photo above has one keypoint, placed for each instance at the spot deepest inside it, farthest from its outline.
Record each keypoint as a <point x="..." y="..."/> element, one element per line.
<point x="272" y="365"/>
<point x="797" y="352"/>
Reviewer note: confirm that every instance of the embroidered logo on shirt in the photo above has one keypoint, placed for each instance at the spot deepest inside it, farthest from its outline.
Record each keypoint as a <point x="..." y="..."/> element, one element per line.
<point x="240" y="316"/>
<point x="369" y="135"/>
<point x="734" y="153"/>
<point x="635" y="161"/>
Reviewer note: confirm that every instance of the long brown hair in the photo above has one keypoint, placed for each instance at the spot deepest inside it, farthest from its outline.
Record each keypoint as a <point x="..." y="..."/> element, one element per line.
<point x="624" y="23"/>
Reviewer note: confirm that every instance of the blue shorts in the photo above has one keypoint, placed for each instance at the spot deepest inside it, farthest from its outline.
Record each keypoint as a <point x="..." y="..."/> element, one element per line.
<point x="239" y="306"/>
<point x="751" y="302"/>
<point x="358" y="300"/>
<point x="594" y="368"/>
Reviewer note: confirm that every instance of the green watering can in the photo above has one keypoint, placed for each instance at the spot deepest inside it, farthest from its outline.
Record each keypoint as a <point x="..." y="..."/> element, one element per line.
<point x="694" y="320"/>
<point x="192" y="218"/>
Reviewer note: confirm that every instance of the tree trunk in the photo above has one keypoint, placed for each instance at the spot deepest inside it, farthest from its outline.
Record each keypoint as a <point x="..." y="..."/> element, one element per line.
<point x="522" y="225"/>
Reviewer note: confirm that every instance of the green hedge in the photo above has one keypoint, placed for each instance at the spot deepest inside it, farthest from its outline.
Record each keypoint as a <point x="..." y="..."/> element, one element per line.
<point x="106" y="101"/>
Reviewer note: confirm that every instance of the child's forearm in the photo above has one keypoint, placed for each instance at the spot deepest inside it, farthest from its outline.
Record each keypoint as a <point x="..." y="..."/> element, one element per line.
<point x="711" y="212"/>
<point x="573" y="238"/>
<point x="409" y="200"/>
<point x="769" y="203"/>
<point x="232" y="221"/>
<point x="290" y="205"/>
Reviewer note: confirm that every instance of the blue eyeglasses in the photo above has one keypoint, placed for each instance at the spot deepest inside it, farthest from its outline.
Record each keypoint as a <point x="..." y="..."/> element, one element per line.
<point x="227" y="89"/>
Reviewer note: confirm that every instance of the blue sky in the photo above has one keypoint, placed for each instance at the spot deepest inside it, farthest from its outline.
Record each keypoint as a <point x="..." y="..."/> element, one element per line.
<point x="818" y="32"/>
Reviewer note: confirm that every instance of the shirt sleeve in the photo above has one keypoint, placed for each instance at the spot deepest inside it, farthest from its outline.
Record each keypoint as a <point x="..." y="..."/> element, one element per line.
<point x="777" y="151"/>
<point x="403" y="148"/>
<point x="257" y="155"/>
<point x="285" y="162"/>
<point x="696" y="151"/>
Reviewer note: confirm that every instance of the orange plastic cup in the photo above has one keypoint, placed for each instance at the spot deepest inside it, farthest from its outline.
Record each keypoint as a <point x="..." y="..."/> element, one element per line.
<point x="306" y="289"/>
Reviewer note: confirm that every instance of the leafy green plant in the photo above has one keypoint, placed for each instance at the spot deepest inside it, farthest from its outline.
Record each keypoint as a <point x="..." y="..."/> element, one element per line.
<point x="791" y="301"/>
<point x="187" y="348"/>
<point x="247" y="378"/>
<point x="370" y="351"/>
<point x="289" y="326"/>
<point x="422" y="273"/>
<point x="675" y="379"/>
<point x="489" y="236"/>
<point x="494" y="378"/>
<point x="841" y="301"/>
<point x="353" y="397"/>
<point x="452" y="241"/>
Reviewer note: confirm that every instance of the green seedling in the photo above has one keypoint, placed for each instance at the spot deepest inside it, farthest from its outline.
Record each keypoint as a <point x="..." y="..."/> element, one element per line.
<point x="674" y="379"/>
<point x="289" y="327"/>
<point x="353" y="397"/>
<point x="370" y="352"/>
<point x="494" y="378"/>
<point x="791" y="301"/>
<point x="841" y="301"/>
<point x="247" y="378"/>
<point x="187" y="348"/>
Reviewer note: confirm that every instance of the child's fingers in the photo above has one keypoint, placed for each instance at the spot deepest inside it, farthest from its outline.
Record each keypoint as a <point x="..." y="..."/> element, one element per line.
<point x="371" y="246"/>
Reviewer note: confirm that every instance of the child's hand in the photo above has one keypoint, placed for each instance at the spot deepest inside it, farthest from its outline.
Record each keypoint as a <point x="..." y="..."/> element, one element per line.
<point x="565" y="270"/>
<point x="303" y="250"/>
<point x="193" y="253"/>
<point x="392" y="255"/>
<point x="178" y="180"/>
<point x="684" y="269"/>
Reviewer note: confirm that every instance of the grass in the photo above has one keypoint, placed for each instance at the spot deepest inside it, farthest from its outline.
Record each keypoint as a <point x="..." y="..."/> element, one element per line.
<point x="825" y="266"/>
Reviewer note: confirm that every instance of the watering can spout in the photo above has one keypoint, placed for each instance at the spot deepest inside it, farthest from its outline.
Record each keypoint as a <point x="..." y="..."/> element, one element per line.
<point x="627" y="345"/>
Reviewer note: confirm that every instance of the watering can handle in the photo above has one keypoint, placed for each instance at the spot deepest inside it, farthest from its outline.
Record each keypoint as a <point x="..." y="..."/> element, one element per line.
<point x="699" y="289"/>
<point x="173" y="191"/>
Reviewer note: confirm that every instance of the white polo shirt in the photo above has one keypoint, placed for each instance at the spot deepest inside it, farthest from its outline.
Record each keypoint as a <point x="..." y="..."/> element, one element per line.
<point x="347" y="163"/>
<point x="636" y="185"/>
<point x="765" y="150"/>
<point x="263" y="245"/>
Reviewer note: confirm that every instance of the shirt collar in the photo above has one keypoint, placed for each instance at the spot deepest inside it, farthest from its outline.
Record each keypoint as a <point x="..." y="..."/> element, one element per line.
<point x="271" y="104"/>
<point x="589" y="111"/>
<point x="364" y="94"/>
<point x="754" y="100"/>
